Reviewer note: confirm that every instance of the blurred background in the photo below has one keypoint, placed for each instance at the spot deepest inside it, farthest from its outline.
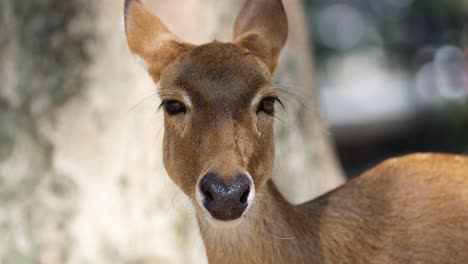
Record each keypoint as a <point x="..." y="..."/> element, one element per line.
<point x="81" y="174"/>
<point x="393" y="76"/>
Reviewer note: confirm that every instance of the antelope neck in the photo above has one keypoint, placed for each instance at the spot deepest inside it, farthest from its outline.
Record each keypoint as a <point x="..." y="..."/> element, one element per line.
<point x="272" y="231"/>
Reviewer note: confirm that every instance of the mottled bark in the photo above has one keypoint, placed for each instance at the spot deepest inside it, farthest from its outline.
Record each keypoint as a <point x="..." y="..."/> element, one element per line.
<point x="81" y="174"/>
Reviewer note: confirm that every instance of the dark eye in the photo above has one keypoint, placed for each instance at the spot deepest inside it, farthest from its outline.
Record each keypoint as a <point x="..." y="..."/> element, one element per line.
<point x="267" y="105"/>
<point x="173" y="107"/>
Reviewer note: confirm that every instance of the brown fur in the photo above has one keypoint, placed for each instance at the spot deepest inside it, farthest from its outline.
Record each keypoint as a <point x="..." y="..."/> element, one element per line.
<point x="149" y="38"/>
<point x="412" y="209"/>
<point x="262" y="28"/>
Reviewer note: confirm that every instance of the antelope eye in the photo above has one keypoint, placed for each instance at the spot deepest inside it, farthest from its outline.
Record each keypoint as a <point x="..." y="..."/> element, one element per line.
<point x="173" y="107"/>
<point x="267" y="105"/>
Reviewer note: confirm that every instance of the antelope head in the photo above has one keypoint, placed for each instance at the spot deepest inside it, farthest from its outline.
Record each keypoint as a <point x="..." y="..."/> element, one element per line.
<point x="219" y="105"/>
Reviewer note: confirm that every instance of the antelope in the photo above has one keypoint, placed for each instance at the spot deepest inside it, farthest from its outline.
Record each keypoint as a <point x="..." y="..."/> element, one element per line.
<point x="219" y="106"/>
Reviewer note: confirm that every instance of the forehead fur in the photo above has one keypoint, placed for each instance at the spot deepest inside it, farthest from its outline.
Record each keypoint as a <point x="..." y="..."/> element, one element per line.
<point x="217" y="74"/>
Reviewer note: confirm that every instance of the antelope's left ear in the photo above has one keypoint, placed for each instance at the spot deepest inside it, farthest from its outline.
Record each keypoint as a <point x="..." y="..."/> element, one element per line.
<point x="262" y="28"/>
<point x="149" y="38"/>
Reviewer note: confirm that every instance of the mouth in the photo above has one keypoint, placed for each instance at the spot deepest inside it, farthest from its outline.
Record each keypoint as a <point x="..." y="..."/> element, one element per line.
<point x="223" y="224"/>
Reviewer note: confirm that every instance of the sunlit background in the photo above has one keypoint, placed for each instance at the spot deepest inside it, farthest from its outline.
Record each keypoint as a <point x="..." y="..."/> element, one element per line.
<point x="393" y="76"/>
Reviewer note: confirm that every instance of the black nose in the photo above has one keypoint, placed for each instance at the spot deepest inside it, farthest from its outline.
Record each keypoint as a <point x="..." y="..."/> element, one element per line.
<point x="225" y="201"/>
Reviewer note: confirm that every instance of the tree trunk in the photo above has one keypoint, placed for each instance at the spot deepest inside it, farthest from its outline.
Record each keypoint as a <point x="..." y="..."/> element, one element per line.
<point x="306" y="163"/>
<point x="81" y="174"/>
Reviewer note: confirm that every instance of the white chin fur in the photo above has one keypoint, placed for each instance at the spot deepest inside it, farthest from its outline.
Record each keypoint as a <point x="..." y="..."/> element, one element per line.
<point x="223" y="224"/>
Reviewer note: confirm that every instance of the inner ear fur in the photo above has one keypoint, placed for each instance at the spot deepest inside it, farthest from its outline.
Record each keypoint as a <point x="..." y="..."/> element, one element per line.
<point x="149" y="38"/>
<point x="262" y="28"/>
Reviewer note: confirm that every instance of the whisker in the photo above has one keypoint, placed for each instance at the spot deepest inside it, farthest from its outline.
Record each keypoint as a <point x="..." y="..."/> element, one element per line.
<point x="144" y="99"/>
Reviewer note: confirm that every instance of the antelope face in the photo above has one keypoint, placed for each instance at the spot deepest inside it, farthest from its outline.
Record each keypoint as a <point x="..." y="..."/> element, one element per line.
<point x="218" y="141"/>
<point x="218" y="105"/>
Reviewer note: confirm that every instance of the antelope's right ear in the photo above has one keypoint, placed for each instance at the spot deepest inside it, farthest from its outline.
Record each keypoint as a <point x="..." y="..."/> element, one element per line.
<point x="149" y="38"/>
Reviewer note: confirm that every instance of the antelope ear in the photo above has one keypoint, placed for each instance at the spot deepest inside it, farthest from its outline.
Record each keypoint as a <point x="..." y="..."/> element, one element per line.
<point x="149" y="38"/>
<point x="262" y="28"/>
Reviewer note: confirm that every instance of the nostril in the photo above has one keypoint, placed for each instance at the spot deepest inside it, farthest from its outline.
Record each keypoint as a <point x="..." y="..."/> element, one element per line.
<point x="245" y="195"/>
<point x="209" y="185"/>
<point x="207" y="194"/>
